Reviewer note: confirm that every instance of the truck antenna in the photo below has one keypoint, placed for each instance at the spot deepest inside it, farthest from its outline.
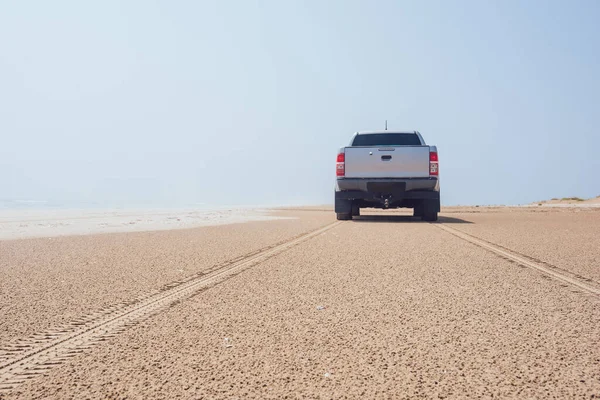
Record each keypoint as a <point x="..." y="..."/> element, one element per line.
<point x="386" y="124"/>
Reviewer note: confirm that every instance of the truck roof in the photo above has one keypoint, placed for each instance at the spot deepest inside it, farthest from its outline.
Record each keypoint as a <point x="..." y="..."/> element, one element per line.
<point x="380" y="132"/>
<point x="383" y="132"/>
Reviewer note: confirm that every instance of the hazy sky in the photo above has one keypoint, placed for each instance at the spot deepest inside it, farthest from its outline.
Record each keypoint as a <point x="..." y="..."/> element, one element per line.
<point x="243" y="102"/>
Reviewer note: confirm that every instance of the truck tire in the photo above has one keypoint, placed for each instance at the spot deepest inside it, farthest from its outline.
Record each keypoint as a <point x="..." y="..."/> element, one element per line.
<point x="355" y="210"/>
<point x="430" y="210"/>
<point x="344" y="216"/>
<point x="418" y="210"/>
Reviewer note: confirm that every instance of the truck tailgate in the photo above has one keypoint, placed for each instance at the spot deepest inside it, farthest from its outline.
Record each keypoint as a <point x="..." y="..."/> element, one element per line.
<point x="387" y="162"/>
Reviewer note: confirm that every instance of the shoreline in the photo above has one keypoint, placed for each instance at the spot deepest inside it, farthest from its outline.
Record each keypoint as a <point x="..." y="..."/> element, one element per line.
<point x="24" y="224"/>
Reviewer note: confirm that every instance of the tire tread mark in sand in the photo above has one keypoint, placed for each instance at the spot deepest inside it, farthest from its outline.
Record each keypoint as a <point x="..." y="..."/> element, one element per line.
<point x="535" y="260"/>
<point x="582" y="283"/>
<point x="35" y="355"/>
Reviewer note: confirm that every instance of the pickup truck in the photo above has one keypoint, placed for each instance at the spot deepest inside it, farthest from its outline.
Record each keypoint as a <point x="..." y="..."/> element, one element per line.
<point x="385" y="169"/>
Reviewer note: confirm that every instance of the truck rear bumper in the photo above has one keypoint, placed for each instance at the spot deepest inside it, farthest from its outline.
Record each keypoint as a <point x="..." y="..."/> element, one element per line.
<point x="385" y="193"/>
<point x="365" y="184"/>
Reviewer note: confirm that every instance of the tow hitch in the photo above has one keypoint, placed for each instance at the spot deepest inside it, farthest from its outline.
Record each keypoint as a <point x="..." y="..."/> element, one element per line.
<point x="386" y="200"/>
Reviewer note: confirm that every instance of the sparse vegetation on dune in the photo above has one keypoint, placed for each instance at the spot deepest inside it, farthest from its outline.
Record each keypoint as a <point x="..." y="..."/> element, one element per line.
<point x="567" y="200"/>
<point x="572" y="199"/>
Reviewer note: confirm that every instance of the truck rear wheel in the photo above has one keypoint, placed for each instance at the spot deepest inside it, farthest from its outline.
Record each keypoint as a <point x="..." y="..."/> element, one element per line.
<point x="418" y="210"/>
<point x="430" y="210"/>
<point x="344" y="216"/>
<point x="355" y="210"/>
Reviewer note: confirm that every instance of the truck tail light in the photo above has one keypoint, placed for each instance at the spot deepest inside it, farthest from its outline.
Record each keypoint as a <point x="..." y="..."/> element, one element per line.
<point x="434" y="167"/>
<point x="340" y="165"/>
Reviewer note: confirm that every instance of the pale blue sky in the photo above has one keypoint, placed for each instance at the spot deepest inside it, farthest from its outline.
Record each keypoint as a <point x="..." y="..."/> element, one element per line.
<point x="241" y="102"/>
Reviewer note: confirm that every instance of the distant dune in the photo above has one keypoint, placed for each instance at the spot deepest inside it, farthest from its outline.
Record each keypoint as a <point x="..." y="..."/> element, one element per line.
<point x="570" y="200"/>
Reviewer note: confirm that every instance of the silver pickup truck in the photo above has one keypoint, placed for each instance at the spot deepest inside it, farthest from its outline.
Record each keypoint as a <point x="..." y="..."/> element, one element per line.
<point x="385" y="169"/>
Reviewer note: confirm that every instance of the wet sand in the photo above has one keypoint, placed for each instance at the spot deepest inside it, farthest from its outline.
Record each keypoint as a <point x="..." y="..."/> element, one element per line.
<point x="26" y="223"/>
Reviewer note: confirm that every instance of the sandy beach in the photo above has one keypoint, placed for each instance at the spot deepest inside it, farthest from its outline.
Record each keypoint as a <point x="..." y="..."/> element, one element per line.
<point x="489" y="301"/>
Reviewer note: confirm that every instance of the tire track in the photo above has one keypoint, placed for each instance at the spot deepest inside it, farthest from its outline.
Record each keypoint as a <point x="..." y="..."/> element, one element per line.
<point x="582" y="283"/>
<point x="27" y="358"/>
